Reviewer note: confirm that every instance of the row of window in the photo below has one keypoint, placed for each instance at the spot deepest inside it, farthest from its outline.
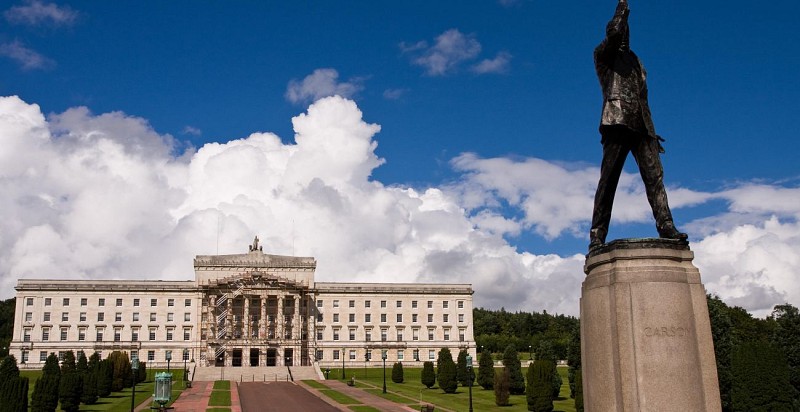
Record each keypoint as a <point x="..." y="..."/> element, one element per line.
<point x="368" y="303"/>
<point x="399" y="354"/>
<point x="101" y="317"/>
<point x="399" y="317"/>
<point x="100" y="332"/>
<point x="102" y="302"/>
<point x="399" y="334"/>
<point x="151" y="355"/>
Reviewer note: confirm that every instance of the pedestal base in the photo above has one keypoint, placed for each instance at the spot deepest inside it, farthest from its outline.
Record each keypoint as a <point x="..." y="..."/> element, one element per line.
<point x="645" y="332"/>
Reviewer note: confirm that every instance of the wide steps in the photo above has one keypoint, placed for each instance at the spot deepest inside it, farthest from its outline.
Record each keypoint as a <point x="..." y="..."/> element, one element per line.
<point x="255" y="373"/>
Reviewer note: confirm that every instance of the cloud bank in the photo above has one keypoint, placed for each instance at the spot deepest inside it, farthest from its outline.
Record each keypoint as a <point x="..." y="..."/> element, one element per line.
<point x="105" y="196"/>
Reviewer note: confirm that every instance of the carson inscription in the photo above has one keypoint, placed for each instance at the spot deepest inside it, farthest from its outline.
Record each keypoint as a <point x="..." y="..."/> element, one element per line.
<point x="666" y="331"/>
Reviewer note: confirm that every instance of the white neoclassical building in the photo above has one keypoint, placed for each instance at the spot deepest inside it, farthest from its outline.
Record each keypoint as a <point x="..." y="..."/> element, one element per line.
<point x="251" y="309"/>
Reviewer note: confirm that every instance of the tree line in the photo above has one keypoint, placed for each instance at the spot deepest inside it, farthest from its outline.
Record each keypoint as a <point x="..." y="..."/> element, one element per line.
<point x="758" y="360"/>
<point x="70" y="384"/>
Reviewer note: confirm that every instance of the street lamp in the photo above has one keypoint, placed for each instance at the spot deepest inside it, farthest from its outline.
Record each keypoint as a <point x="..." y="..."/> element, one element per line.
<point x="343" y="378"/>
<point x="135" y="368"/>
<point x="471" y="378"/>
<point x="169" y="358"/>
<point x="185" y="371"/>
<point x="383" y="356"/>
<point x="530" y="352"/>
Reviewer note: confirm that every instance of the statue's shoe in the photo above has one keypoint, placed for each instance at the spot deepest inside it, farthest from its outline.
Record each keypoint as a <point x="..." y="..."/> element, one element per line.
<point x="671" y="232"/>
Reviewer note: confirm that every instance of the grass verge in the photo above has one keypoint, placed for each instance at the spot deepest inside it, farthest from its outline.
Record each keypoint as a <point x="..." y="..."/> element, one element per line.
<point x="482" y="399"/>
<point x="314" y="384"/>
<point x="339" y="397"/>
<point x="222" y="385"/>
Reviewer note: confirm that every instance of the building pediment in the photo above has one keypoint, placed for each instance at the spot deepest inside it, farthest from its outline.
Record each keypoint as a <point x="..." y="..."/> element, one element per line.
<point x="257" y="279"/>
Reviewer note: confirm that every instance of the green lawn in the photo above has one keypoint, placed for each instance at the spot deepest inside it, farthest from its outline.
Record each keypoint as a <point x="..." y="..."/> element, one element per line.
<point x="315" y="384"/>
<point x="117" y="401"/>
<point x="339" y="397"/>
<point x="393" y="397"/>
<point x="459" y="401"/>
<point x="363" y="408"/>
<point x="222" y="385"/>
<point x="220" y="398"/>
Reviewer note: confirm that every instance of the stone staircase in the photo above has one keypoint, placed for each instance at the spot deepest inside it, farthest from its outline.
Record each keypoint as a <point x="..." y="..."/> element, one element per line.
<point x="256" y="373"/>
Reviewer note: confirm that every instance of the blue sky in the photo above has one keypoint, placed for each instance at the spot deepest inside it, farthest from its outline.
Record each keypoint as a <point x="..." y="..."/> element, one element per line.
<point x="488" y="113"/>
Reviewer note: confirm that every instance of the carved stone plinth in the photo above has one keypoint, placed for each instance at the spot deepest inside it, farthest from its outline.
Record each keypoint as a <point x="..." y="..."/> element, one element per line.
<point x="645" y="332"/>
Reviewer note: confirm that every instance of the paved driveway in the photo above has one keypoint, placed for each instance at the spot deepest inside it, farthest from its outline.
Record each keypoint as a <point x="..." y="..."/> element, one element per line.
<point x="279" y="396"/>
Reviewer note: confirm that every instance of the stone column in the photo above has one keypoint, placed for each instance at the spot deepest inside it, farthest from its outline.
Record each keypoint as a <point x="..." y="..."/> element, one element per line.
<point x="262" y="333"/>
<point x="645" y="332"/>
<point x="297" y="321"/>
<point x="246" y="323"/>
<point x="229" y="317"/>
<point x="279" y="318"/>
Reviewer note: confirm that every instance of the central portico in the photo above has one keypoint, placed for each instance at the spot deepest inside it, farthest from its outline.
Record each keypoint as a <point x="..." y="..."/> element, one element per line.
<point x="257" y="309"/>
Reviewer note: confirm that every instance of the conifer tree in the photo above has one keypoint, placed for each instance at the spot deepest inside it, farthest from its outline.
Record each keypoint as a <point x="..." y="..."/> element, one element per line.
<point x="486" y="370"/>
<point x="82" y="365"/>
<point x="540" y="386"/>
<point x="13" y="388"/>
<point x="461" y="368"/>
<point x="105" y="373"/>
<point x="501" y="387"/>
<point x="89" y="393"/>
<point x="69" y="391"/>
<point x="574" y="357"/>
<point x="121" y="367"/>
<point x="443" y="356"/>
<point x="428" y="376"/>
<point x="397" y="372"/>
<point x="555" y="381"/>
<point x="141" y="372"/>
<point x="45" y="392"/>
<point x="17" y="395"/>
<point x="578" y="391"/>
<point x="511" y="361"/>
<point x="447" y="375"/>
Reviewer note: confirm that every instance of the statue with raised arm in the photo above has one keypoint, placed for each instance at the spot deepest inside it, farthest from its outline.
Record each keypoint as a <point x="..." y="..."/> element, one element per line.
<point x="626" y="127"/>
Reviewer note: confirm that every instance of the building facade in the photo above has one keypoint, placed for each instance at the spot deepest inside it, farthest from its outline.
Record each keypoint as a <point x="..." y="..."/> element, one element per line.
<point x="251" y="309"/>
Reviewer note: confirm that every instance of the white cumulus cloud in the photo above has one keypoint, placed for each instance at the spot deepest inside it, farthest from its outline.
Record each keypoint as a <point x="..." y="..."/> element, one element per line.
<point x="105" y="196"/>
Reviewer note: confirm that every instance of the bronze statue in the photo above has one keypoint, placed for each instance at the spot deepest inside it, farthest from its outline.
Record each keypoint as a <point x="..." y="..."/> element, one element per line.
<point x="626" y="126"/>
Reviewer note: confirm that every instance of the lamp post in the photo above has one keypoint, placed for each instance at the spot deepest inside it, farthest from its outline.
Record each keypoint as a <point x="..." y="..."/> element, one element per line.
<point x="383" y="356"/>
<point x="169" y="358"/>
<point x="366" y="359"/>
<point x="135" y="368"/>
<point x="530" y="352"/>
<point x="343" y="378"/>
<point x="471" y="378"/>
<point x="185" y="371"/>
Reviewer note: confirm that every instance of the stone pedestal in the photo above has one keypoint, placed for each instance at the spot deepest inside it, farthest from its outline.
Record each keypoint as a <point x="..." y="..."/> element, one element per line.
<point x="645" y="332"/>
